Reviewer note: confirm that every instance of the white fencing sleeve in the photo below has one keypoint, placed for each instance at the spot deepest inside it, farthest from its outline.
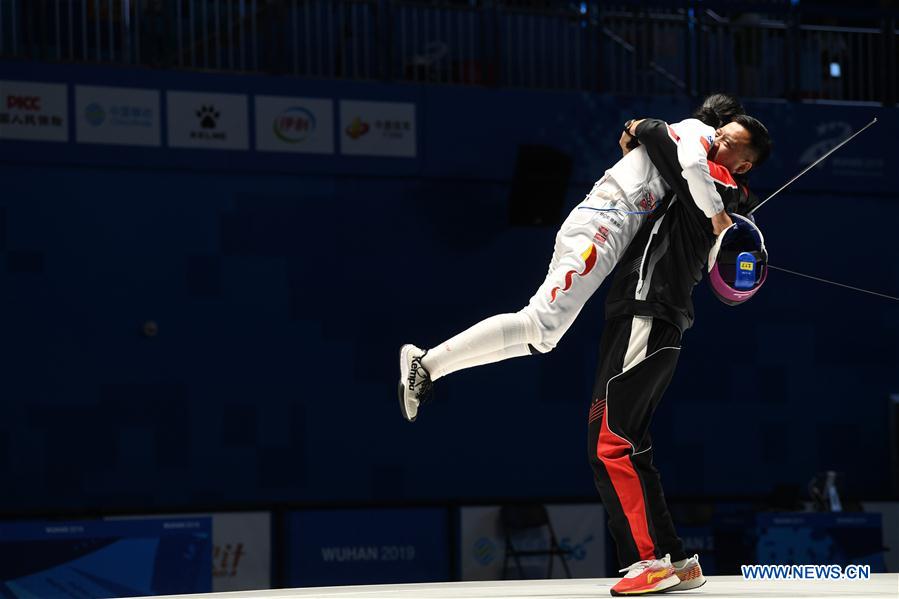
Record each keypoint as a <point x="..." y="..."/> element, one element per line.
<point x="692" y="152"/>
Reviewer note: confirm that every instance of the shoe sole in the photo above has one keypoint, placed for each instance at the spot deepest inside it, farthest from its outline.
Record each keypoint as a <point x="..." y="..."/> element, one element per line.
<point x="662" y="588"/>
<point x="678" y="587"/>
<point x="404" y="374"/>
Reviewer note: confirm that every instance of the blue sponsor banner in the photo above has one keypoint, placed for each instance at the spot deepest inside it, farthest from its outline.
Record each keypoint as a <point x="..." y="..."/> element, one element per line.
<point x="338" y="547"/>
<point x="453" y="131"/>
<point x="99" y="558"/>
<point x="189" y="135"/>
<point x="821" y="538"/>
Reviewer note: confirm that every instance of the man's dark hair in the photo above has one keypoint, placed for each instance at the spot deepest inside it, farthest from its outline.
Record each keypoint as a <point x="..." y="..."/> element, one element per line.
<point x="759" y="139"/>
<point x="718" y="110"/>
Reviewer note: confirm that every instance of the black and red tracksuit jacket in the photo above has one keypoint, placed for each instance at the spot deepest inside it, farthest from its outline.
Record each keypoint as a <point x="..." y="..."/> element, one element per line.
<point x="669" y="255"/>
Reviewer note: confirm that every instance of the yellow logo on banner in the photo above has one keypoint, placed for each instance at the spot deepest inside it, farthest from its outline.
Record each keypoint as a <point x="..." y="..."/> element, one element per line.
<point x="746" y="265"/>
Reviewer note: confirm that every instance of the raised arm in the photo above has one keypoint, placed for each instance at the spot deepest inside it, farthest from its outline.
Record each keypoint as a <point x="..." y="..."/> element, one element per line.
<point x="692" y="142"/>
<point x="664" y="148"/>
<point x="692" y="152"/>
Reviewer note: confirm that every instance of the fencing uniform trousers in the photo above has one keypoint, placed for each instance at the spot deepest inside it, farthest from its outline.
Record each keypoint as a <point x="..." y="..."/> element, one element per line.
<point x="637" y="358"/>
<point x="587" y="247"/>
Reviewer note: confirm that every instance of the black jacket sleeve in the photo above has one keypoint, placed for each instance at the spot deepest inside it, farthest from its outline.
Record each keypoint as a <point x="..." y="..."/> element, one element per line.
<point x="662" y="149"/>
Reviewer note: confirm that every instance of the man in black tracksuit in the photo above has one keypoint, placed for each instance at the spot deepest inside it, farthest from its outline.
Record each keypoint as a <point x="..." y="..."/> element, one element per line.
<point x="648" y="308"/>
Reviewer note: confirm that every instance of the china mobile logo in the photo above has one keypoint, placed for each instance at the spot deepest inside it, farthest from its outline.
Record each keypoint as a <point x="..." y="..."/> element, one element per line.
<point x="225" y="560"/>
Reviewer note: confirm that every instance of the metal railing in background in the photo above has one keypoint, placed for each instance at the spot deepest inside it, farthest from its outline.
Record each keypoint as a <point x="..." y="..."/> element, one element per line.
<point x="326" y="39"/>
<point x="438" y="43"/>
<point x="543" y="49"/>
<point x="750" y="56"/>
<point x="71" y="30"/>
<point x="775" y="51"/>
<point x="315" y="38"/>
<point x="645" y="50"/>
<point x="840" y="62"/>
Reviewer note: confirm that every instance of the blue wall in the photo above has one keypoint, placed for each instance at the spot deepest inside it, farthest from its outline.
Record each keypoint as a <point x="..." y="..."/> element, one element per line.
<point x="283" y="288"/>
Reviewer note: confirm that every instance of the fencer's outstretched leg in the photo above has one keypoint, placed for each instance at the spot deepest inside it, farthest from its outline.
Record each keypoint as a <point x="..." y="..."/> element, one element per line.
<point x="494" y="339"/>
<point x="587" y="247"/>
<point x="483" y="343"/>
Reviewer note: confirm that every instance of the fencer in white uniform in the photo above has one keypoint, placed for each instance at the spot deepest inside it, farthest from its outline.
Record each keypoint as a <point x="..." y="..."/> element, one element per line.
<point x="587" y="247"/>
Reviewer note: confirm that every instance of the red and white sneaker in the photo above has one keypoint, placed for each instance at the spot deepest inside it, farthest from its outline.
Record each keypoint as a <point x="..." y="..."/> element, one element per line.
<point x="647" y="576"/>
<point x="689" y="573"/>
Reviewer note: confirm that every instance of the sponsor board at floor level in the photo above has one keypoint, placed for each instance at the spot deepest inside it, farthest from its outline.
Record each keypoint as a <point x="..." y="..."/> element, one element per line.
<point x="367" y="546"/>
<point x="579" y="531"/>
<point x="102" y="558"/>
<point x="241" y="548"/>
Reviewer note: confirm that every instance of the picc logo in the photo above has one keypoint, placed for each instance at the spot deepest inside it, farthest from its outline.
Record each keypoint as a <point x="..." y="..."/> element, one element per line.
<point x="32" y="103"/>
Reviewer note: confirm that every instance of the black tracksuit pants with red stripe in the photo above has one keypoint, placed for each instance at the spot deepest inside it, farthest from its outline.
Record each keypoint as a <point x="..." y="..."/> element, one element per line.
<point x="637" y="358"/>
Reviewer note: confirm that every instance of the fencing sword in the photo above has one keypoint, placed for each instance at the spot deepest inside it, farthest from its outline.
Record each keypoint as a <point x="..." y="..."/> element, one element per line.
<point x="788" y="183"/>
<point x="814" y="164"/>
<point x="829" y="282"/>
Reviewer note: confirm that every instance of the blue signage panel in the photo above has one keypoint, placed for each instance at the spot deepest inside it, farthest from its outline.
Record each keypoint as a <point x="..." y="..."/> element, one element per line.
<point x="821" y="538"/>
<point x="98" y="558"/>
<point x="173" y="119"/>
<point x="338" y="547"/>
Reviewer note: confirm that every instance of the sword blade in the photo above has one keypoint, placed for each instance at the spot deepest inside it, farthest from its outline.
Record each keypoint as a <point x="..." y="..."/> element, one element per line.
<point x="814" y="164"/>
<point x="799" y="274"/>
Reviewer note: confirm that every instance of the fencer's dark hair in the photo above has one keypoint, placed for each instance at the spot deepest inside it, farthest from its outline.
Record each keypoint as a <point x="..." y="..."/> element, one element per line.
<point x="718" y="110"/>
<point x="759" y="138"/>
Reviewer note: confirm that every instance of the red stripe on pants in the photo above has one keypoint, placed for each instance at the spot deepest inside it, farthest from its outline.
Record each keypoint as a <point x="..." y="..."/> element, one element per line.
<point x="615" y="453"/>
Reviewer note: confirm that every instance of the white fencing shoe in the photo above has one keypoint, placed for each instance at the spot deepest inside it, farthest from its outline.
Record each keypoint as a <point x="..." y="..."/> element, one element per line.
<point x="415" y="382"/>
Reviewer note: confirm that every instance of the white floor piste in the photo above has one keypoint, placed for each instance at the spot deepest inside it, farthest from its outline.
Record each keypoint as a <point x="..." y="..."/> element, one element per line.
<point x="719" y="587"/>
